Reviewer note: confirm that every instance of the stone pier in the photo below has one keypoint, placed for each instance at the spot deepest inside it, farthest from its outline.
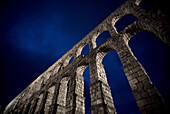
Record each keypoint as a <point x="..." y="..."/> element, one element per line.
<point x="60" y="89"/>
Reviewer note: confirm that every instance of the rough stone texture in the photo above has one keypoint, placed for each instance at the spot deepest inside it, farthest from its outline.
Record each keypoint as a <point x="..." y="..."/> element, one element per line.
<point x="60" y="89"/>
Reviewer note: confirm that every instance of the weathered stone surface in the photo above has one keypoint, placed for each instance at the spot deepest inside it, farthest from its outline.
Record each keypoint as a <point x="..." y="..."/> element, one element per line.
<point x="60" y="89"/>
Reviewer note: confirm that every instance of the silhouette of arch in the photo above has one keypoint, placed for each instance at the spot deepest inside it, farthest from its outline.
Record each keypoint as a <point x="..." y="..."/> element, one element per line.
<point x="145" y="93"/>
<point x="82" y="49"/>
<point x="124" y="22"/>
<point x="102" y="37"/>
<point x="153" y="55"/>
<point x="85" y="50"/>
<point x="72" y="58"/>
<point x="114" y="75"/>
<point x="86" y="75"/>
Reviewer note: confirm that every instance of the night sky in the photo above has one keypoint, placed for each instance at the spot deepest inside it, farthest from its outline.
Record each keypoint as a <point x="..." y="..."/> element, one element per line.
<point x="36" y="33"/>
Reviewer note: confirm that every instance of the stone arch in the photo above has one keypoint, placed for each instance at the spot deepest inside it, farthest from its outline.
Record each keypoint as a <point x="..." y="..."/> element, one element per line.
<point x="119" y="15"/>
<point x="14" y="104"/>
<point x="60" y="66"/>
<point x="49" y="99"/>
<point x="124" y="21"/>
<point x="51" y="84"/>
<point x="147" y="25"/>
<point x="102" y="37"/>
<point x="61" y="98"/>
<point x="31" y="106"/>
<point x="66" y="60"/>
<point x="157" y="53"/>
<point x="96" y="34"/>
<point x="56" y="68"/>
<point x="34" y="105"/>
<point x="46" y="76"/>
<point x="140" y="32"/>
<point x="24" y="101"/>
<point x="40" y="97"/>
<point x="100" y="67"/>
<point x="146" y="95"/>
<point x="75" y="98"/>
<point x="85" y="50"/>
<point x="92" y="42"/>
<point x="86" y="75"/>
<point x="138" y="79"/>
<point x="131" y="7"/>
<point x="80" y="49"/>
<point x="72" y="58"/>
<point x="80" y="69"/>
<point x="99" y="86"/>
<point x="114" y="75"/>
<point x="32" y="89"/>
<point x="28" y="107"/>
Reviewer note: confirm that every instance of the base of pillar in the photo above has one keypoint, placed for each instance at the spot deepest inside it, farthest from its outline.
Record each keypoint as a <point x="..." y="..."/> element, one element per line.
<point x="101" y="99"/>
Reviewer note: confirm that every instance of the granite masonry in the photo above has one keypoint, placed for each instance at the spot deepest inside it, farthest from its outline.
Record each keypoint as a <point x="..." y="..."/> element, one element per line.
<point x="60" y="89"/>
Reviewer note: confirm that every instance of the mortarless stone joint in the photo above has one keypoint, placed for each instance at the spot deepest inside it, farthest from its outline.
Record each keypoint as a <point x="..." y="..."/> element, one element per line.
<point x="60" y="89"/>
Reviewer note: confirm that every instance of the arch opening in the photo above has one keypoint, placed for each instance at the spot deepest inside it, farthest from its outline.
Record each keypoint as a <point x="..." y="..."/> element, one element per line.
<point x="120" y="88"/>
<point x="61" y="99"/>
<point x="102" y="37"/>
<point x="56" y="69"/>
<point x="123" y="22"/>
<point x="49" y="99"/>
<point x="72" y="58"/>
<point x="67" y="60"/>
<point x="35" y="105"/>
<point x="154" y="56"/>
<point x="59" y="68"/>
<point x="86" y="75"/>
<point x="85" y="50"/>
<point x="39" y="102"/>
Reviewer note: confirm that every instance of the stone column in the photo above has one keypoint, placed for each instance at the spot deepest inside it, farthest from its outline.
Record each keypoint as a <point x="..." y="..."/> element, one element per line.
<point x="61" y="100"/>
<point x="38" y="103"/>
<point x="16" y="109"/>
<point x="19" y="109"/>
<point x="27" y="108"/>
<point x="53" y="106"/>
<point x="49" y="99"/>
<point x="75" y="99"/>
<point x="111" y="28"/>
<point x="33" y="106"/>
<point x="101" y="98"/>
<point x="147" y="96"/>
<point x="42" y="104"/>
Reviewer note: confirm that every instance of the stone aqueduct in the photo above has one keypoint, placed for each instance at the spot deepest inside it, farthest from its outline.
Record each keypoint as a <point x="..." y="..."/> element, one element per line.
<point x="48" y="93"/>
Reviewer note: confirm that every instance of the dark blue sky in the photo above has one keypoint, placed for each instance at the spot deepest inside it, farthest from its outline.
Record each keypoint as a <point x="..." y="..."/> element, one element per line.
<point x="36" y="33"/>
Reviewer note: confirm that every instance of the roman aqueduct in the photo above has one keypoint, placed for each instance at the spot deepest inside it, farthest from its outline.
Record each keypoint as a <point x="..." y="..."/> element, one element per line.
<point x="50" y="93"/>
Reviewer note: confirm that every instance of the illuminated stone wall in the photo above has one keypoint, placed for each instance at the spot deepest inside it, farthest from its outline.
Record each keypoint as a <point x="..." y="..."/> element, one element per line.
<point x="60" y="89"/>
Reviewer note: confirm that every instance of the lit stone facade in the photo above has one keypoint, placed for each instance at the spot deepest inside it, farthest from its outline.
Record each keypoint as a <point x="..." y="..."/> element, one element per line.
<point x="60" y="89"/>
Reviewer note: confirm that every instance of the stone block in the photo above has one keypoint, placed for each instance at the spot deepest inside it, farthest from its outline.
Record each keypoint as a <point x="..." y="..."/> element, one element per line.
<point x="144" y="95"/>
<point x="137" y="96"/>
<point x="140" y="72"/>
<point x="141" y="78"/>
<point x="142" y="102"/>
<point x="147" y="96"/>
<point x="152" y="92"/>
<point x="133" y="82"/>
